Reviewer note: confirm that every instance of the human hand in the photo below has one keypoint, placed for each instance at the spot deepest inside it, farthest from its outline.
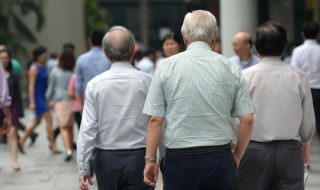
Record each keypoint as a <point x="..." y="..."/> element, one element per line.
<point x="236" y="159"/>
<point x="5" y="126"/>
<point x="306" y="149"/>
<point x="150" y="173"/>
<point x="84" y="182"/>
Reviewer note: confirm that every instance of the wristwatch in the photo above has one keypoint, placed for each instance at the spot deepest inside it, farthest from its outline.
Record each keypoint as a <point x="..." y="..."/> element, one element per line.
<point x="150" y="159"/>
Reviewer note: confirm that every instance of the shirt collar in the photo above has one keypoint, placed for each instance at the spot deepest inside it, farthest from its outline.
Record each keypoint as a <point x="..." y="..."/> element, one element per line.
<point x="272" y="61"/>
<point x="199" y="44"/>
<point x="95" y="49"/>
<point x="121" y="65"/>
<point x="310" y="42"/>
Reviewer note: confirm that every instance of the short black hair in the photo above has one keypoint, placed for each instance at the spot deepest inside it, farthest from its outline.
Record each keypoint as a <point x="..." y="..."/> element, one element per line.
<point x="172" y="36"/>
<point x="37" y="52"/>
<point x="69" y="46"/>
<point x="270" y="39"/>
<point x="96" y="37"/>
<point x="310" y="29"/>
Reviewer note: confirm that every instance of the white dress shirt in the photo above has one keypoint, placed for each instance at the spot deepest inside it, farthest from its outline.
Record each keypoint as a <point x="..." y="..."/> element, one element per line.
<point x="112" y="115"/>
<point x="307" y="58"/>
<point x="282" y="99"/>
<point x="146" y="65"/>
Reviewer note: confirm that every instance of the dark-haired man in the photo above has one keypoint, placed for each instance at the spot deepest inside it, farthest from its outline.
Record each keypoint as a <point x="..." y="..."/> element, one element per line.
<point x="91" y="63"/>
<point x="307" y="58"/>
<point x="242" y="44"/>
<point x="284" y="117"/>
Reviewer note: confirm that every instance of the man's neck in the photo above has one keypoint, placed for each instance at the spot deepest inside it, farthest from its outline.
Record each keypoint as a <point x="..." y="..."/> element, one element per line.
<point x="245" y="57"/>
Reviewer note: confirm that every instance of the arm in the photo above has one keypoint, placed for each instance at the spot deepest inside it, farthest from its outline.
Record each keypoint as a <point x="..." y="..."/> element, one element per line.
<point x="79" y="81"/>
<point x="87" y="139"/>
<point x="153" y="137"/>
<point x="308" y="122"/>
<point x="51" y="86"/>
<point x="71" y="88"/>
<point x="7" y="120"/>
<point x="245" y="131"/>
<point x="243" y="108"/>
<point x="32" y="82"/>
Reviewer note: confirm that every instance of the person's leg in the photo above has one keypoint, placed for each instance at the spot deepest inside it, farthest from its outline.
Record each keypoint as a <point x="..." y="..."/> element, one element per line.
<point x="180" y="172"/>
<point x="108" y="170"/>
<point x="316" y="104"/>
<point x="256" y="169"/>
<point x="13" y="142"/>
<point x="65" y="134"/>
<point x="47" y="117"/>
<point x="28" y="131"/>
<point x="78" y="117"/>
<point x="217" y="170"/>
<point x="133" y="172"/>
<point x="289" y="167"/>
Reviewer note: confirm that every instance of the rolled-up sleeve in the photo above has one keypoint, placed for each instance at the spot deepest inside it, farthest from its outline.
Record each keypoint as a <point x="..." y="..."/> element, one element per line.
<point x="5" y="99"/>
<point x="155" y="104"/>
<point x="242" y="104"/>
<point x="87" y="134"/>
<point x="308" y="118"/>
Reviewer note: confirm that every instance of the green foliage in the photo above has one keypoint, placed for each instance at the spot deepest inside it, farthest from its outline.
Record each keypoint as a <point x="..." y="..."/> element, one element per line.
<point x="14" y="32"/>
<point x="96" y="17"/>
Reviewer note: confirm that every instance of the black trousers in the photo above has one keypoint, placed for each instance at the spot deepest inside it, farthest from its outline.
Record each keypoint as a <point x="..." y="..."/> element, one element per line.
<point x="316" y="104"/>
<point x="206" y="171"/>
<point x="120" y="170"/>
<point x="275" y="165"/>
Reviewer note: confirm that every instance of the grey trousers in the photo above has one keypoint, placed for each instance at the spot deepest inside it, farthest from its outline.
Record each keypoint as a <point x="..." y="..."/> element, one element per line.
<point x="120" y="170"/>
<point x="275" y="165"/>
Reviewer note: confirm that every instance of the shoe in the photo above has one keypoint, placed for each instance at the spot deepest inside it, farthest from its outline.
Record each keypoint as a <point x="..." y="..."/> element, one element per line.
<point x="68" y="158"/>
<point x="20" y="148"/>
<point x="16" y="168"/>
<point x="74" y="146"/>
<point x="33" y="138"/>
<point x="54" y="151"/>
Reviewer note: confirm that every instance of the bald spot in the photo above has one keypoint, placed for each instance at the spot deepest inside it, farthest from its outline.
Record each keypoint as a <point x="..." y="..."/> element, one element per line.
<point x="243" y="37"/>
<point x="117" y="38"/>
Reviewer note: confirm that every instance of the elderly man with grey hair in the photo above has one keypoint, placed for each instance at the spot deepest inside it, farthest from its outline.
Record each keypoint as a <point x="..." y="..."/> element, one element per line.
<point x="196" y="93"/>
<point x="112" y="121"/>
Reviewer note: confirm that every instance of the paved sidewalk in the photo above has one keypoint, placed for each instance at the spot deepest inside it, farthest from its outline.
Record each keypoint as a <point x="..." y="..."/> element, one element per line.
<point x="41" y="170"/>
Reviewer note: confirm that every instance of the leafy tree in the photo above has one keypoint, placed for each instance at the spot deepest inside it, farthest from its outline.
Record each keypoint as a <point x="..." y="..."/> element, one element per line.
<point x="14" y="32"/>
<point x="97" y="17"/>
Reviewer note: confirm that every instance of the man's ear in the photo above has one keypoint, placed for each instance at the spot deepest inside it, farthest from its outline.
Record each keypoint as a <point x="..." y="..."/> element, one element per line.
<point x="107" y="56"/>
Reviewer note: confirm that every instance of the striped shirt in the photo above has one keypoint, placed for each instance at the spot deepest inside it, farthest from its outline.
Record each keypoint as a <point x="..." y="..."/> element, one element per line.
<point x="197" y="92"/>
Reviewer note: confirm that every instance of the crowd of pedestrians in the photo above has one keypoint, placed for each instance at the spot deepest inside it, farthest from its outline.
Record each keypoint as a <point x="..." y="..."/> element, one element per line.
<point x="203" y="120"/>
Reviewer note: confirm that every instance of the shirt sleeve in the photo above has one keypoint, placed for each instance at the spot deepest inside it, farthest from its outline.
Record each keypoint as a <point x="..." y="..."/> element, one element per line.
<point x="51" y="86"/>
<point x="80" y="80"/>
<point x="295" y="59"/>
<point x="242" y="104"/>
<point x="308" y="119"/>
<point x="87" y="134"/>
<point x="5" y="99"/>
<point x="155" y="104"/>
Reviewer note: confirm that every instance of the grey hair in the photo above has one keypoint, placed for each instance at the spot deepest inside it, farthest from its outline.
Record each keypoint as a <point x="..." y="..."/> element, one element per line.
<point x="199" y="25"/>
<point x="118" y="44"/>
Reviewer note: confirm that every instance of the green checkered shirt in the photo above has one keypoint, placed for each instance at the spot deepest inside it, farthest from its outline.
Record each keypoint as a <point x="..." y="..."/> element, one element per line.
<point x="197" y="92"/>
